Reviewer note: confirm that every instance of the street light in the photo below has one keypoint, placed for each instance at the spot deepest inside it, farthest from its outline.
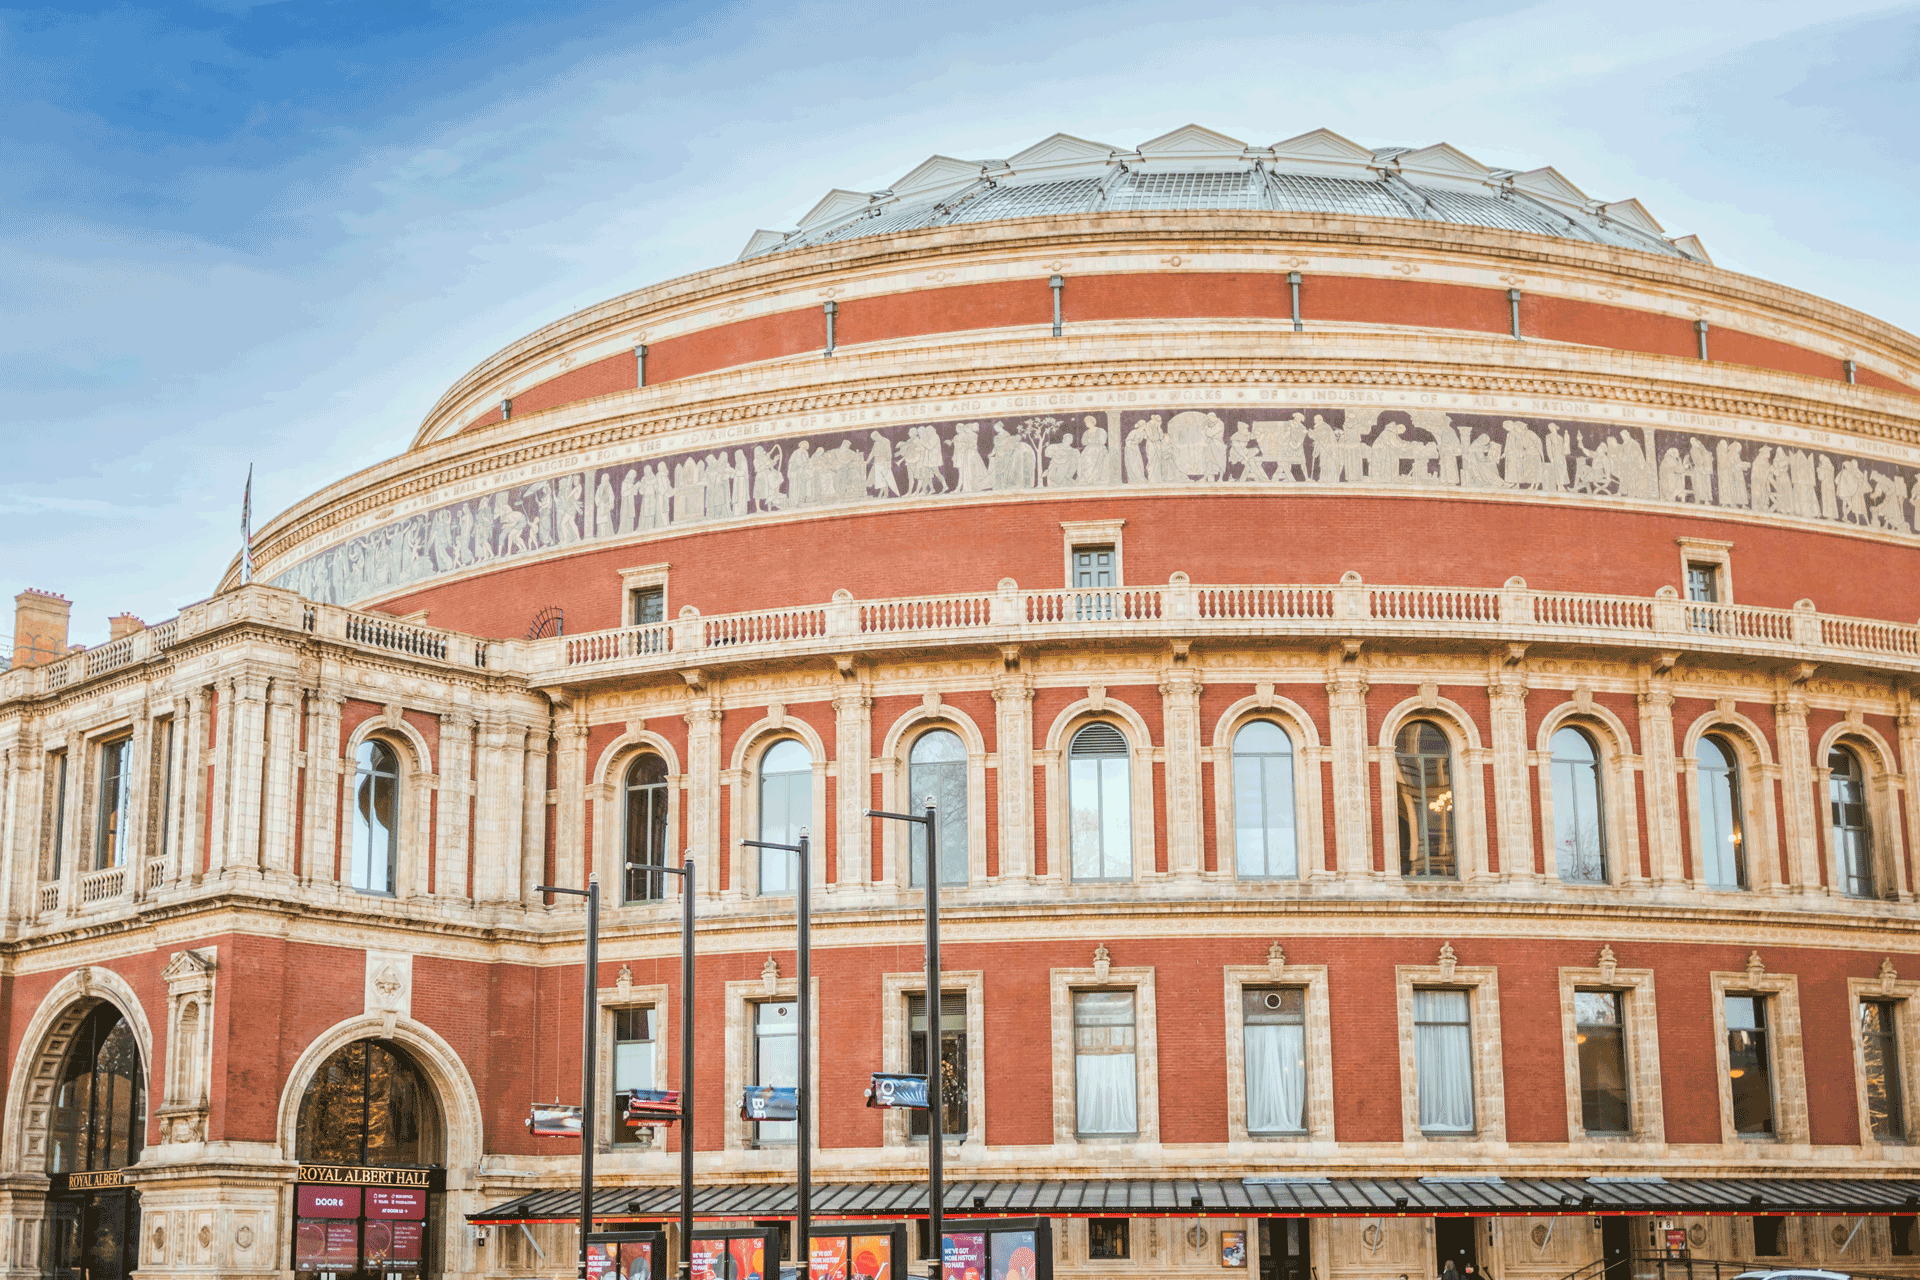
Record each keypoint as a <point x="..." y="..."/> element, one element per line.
<point x="936" y="1110"/>
<point x="802" y="1097"/>
<point x="590" y="1040"/>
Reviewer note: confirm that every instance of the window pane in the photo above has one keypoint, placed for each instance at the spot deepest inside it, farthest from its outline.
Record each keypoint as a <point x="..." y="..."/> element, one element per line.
<point x="1749" y="1069"/>
<point x="1721" y="864"/>
<point x="786" y="807"/>
<point x="1276" y="1053"/>
<point x="646" y="831"/>
<point x="937" y="767"/>
<point x="1426" y="802"/>
<point x="1104" y="1058"/>
<point x="115" y="787"/>
<point x="1847" y="796"/>
<point x="953" y="1059"/>
<point x="1603" y="1062"/>
<point x="1579" y="848"/>
<point x="1100" y="815"/>
<point x="375" y="812"/>
<point x="1880" y="1059"/>
<point x="776" y="1059"/>
<point x="1263" y="801"/>
<point x="1443" y="1060"/>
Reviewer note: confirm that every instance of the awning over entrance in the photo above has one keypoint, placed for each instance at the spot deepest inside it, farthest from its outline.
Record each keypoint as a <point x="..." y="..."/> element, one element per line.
<point x="1247" y="1198"/>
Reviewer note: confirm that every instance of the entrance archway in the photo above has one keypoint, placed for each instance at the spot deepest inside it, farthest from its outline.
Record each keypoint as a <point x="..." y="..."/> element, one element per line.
<point x="96" y="1127"/>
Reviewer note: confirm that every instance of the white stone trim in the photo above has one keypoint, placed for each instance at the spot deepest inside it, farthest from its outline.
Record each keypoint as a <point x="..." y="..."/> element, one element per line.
<point x="1140" y="760"/>
<point x="1906" y="1028"/>
<point x="1095" y="533"/>
<point x="43" y="1049"/>
<point x="1786" y="1061"/>
<point x="1062" y="983"/>
<point x="1309" y="756"/>
<point x="1884" y="782"/>
<point x="1640" y="1039"/>
<point x="1482" y="985"/>
<point x="1619" y="775"/>
<point x="894" y="990"/>
<point x="611" y="1000"/>
<point x="637" y="578"/>
<point x="1759" y="832"/>
<point x="740" y="997"/>
<point x="1470" y="776"/>
<point x="744" y="778"/>
<point x="894" y="764"/>
<point x="1319" y="1047"/>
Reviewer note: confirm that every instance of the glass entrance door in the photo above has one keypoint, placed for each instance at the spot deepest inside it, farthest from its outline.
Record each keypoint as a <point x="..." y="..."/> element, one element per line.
<point x="92" y="1235"/>
<point x="1286" y="1249"/>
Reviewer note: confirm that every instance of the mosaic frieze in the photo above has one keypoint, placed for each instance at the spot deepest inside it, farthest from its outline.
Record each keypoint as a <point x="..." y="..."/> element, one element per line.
<point x="1273" y="449"/>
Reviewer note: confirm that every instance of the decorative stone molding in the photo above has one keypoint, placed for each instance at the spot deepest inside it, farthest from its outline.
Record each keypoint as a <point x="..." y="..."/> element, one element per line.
<point x="896" y="1051"/>
<point x="389" y="987"/>
<point x="189" y="975"/>
<point x="1489" y="1079"/>
<point x="1102" y="963"/>
<point x="1640" y="1039"/>
<point x="770" y="976"/>
<point x="1784" y="1047"/>
<point x="1062" y="984"/>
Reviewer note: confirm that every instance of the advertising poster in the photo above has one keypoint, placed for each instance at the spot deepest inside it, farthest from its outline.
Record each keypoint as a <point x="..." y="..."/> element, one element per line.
<point x="408" y="1237"/>
<point x="396" y="1202"/>
<point x="871" y="1258"/>
<point x="309" y="1244"/>
<point x="636" y="1260"/>
<point x="965" y="1254"/>
<point x="328" y="1202"/>
<point x="710" y="1260"/>
<point x="829" y="1258"/>
<point x="1233" y="1248"/>
<point x="339" y="1246"/>
<point x="749" y="1258"/>
<point x="1013" y="1256"/>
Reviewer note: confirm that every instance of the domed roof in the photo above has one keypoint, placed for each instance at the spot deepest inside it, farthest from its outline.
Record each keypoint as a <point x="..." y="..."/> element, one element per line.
<point x="1194" y="168"/>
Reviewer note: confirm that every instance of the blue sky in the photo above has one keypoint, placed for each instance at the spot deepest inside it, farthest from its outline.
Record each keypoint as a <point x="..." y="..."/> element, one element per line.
<point x="272" y="233"/>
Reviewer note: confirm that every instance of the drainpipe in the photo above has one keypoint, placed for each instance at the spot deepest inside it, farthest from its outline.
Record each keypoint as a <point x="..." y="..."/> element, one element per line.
<point x="1513" y="306"/>
<point x="1056" y="284"/>
<point x="1293" y="287"/>
<point x="1700" y="327"/>
<point x="832" y="309"/>
<point x="640" y="364"/>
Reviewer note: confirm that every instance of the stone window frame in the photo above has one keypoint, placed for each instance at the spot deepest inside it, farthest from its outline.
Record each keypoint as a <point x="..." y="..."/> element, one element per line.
<point x="1093" y="533"/>
<point x="1904" y="995"/>
<point x="1759" y="817"/>
<point x="1885" y="830"/>
<point x="1711" y="551"/>
<point x="1470" y="758"/>
<point x="611" y="1001"/>
<point x="894" y="764"/>
<point x="1319" y="1042"/>
<point x="1142" y="756"/>
<point x="894" y="990"/>
<point x="417" y="782"/>
<point x="737" y="1136"/>
<point x="1640" y="1026"/>
<point x="608" y="790"/>
<point x="1062" y="983"/>
<point x="1619" y="770"/>
<point x="1308" y="754"/>
<point x="743" y="781"/>
<point x="1482" y="985"/>
<point x="119" y="733"/>
<point x="1787" y="1066"/>
<point x="639" y="578"/>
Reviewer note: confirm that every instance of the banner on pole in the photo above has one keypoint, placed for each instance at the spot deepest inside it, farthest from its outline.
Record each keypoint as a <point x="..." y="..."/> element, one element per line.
<point x="552" y="1120"/>
<point x="891" y="1089"/>
<point x="770" y="1102"/>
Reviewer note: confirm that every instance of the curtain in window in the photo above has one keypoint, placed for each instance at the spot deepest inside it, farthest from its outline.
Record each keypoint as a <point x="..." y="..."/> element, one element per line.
<point x="937" y="767"/>
<point x="1104" y="1063"/>
<point x="1443" y="1060"/>
<point x="1276" y="1078"/>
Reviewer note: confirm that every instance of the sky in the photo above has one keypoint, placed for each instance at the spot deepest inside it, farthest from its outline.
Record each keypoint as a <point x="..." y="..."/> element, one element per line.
<point x="270" y="233"/>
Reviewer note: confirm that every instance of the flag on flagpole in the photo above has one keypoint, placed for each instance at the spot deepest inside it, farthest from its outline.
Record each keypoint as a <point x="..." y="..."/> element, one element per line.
<point x="246" y="529"/>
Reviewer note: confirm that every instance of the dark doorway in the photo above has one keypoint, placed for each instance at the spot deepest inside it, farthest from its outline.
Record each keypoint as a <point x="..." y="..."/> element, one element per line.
<point x="1453" y="1238"/>
<point x="1286" y="1251"/>
<point x="1616" y="1246"/>
<point x="95" y="1129"/>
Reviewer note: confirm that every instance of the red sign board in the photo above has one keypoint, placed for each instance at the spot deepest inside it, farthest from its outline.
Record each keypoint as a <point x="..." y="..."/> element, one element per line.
<point x="326" y="1244"/>
<point x="406" y="1245"/>
<point x="396" y="1202"/>
<point x="332" y="1202"/>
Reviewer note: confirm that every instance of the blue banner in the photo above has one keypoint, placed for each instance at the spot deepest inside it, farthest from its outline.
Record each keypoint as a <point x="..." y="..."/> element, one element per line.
<point x="767" y="1102"/>
<point x="892" y="1090"/>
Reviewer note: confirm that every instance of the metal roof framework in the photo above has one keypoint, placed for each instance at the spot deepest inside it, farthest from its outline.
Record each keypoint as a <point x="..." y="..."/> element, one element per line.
<point x="1278" y="1196"/>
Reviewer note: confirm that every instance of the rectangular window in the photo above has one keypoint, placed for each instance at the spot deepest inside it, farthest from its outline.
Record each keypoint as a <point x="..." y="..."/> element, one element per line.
<point x="1600" y="1031"/>
<point x="59" y="766"/>
<point x="776" y="1061"/>
<point x="953" y="1058"/>
<point x="1880" y="1059"/>
<point x="649" y="605"/>
<point x="1106" y="1102"/>
<point x="1108" y="1239"/>
<point x="1769" y="1240"/>
<point x="116" y="784"/>
<point x="1443" y="1061"/>
<point x="1749" y="1067"/>
<point x="632" y="1066"/>
<point x="1703" y="583"/>
<point x="164" y="825"/>
<point x="1092" y="567"/>
<point x="1275" y="1029"/>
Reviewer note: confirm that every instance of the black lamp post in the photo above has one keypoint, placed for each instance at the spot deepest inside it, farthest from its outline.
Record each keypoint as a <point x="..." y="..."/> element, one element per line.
<point x="936" y="1110"/>
<point x="803" y="1095"/>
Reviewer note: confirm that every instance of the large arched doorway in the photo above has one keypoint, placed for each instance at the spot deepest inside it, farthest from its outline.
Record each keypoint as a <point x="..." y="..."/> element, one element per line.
<point x="371" y="1145"/>
<point x="95" y="1129"/>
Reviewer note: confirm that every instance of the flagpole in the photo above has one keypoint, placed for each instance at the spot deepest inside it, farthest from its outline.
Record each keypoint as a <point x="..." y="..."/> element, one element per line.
<point x="246" y="529"/>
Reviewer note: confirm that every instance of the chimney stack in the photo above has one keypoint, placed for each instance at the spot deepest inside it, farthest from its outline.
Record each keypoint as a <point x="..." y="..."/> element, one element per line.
<point x="123" y="624"/>
<point x="39" y="627"/>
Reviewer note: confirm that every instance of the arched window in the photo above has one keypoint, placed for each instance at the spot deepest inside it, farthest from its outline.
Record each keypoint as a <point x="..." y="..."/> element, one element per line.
<point x="1722" y="861"/>
<point x="1264" y="841"/>
<point x="646" y="833"/>
<point x="98" y="1119"/>
<point x="1100" y="804"/>
<point x="1852" y="846"/>
<point x="1426" y="802"/>
<point x="786" y="809"/>
<point x="376" y="815"/>
<point x="1579" y="834"/>
<point x="937" y="767"/>
<point x="368" y="1104"/>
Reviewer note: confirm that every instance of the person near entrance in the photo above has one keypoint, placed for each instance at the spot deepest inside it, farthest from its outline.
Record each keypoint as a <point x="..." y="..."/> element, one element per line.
<point x="1448" y="1272"/>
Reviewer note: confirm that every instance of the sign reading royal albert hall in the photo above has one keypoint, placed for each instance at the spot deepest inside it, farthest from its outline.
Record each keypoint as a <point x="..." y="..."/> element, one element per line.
<point x="1271" y="447"/>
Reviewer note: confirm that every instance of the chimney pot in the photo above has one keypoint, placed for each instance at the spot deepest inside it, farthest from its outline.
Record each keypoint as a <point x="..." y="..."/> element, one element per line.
<point x="39" y="627"/>
<point x="123" y="624"/>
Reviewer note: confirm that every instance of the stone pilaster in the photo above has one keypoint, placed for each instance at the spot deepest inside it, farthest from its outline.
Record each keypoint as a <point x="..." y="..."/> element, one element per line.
<point x="703" y="788"/>
<point x="195" y="757"/>
<point x="570" y="781"/>
<point x="1180" y="718"/>
<point x="21" y="787"/>
<point x="852" y="749"/>
<point x="533" y="823"/>
<point x="23" y="1210"/>
<point x="500" y="815"/>
<point x="133" y="845"/>
<point x="1663" y="780"/>
<point x="217" y="1216"/>
<point x="276" y="783"/>
<point x="1347" y="739"/>
<point x="1908" y="727"/>
<point x="75" y="849"/>
<point x="1013" y="743"/>
<point x="324" y="769"/>
<point x="456" y="786"/>
<point x="1512" y="799"/>
<point x="247" y="747"/>
<point x="1797" y="798"/>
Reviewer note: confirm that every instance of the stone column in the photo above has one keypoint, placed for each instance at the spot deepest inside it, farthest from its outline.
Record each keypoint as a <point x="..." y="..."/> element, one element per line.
<point x="324" y="767"/>
<point x="23" y="1208"/>
<point x="1797" y="795"/>
<point x="139" y="786"/>
<point x="1513" y="801"/>
<point x="195" y="757"/>
<point x="702" y="796"/>
<point x="1013" y="744"/>
<point x="456" y="785"/>
<point x="1663" y="782"/>
<point x="1180" y="718"/>
<point x="76" y="850"/>
<point x="22" y="784"/>
<point x="501" y="812"/>
<point x="283" y="742"/>
<point x="1907" y="726"/>
<point x="852" y="749"/>
<point x="1347" y="740"/>
<point x="533" y="827"/>
<point x="570" y="782"/>
<point x="245" y="735"/>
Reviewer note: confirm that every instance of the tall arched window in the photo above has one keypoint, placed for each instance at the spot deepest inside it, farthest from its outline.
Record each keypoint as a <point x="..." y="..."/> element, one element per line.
<point x="1852" y="846"/>
<point x="1723" y="864"/>
<point x="368" y="1104"/>
<point x="646" y="833"/>
<point x="1425" y="760"/>
<point x="376" y="815"/>
<point x="937" y="767"/>
<point x="98" y="1119"/>
<point x="1579" y="834"/>
<point x="786" y="809"/>
<point x="1100" y="804"/>
<point x="1264" y="841"/>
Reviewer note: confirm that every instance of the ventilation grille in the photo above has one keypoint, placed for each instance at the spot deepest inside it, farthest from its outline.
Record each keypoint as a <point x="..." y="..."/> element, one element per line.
<point x="1099" y="740"/>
